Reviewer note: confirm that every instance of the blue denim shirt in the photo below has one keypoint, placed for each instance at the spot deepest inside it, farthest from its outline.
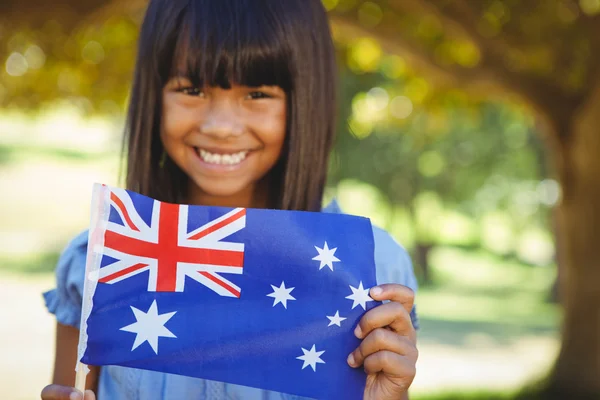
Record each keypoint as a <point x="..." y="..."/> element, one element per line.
<point x="119" y="383"/>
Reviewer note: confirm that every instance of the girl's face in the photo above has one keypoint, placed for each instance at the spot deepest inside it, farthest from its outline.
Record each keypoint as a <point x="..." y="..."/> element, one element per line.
<point x="225" y="140"/>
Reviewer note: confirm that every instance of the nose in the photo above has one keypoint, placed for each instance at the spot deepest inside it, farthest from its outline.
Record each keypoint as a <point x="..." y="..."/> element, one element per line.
<point x="221" y="121"/>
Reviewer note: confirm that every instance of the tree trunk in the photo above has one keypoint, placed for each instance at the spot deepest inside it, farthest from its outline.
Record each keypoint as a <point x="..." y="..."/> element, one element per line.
<point x="422" y="251"/>
<point x="555" y="294"/>
<point x="577" y="370"/>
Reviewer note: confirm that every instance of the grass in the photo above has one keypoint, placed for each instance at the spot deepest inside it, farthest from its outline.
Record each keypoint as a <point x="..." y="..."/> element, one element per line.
<point x="46" y="193"/>
<point x="477" y="287"/>
<point x="11" y="153"/>
<point x="492" y="311"/>
<point x="30" y="263"/>
<point x="478" y="395"/>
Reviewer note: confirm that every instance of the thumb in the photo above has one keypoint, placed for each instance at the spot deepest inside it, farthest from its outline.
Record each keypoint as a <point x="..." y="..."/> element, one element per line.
<point x="60" y="392"/>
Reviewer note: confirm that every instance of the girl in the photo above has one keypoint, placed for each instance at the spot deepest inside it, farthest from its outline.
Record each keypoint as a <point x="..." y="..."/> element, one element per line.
<point x="233" y="104"/>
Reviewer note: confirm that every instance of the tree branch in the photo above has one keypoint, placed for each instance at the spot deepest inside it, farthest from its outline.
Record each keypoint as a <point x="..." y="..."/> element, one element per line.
<point x="394" y="42"/>
<point x="35" y="12"/>
<point x="462" y="23"/>
<point x="549" y="99"/>
<point x="69" y="13"/>
<point x="540" y="92"/>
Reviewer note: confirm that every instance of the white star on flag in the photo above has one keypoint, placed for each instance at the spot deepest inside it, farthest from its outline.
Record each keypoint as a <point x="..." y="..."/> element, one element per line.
<point x="311" y="357"/>
<point x="149" y="326"/>
<point x="281" y="294"/>
<point x="326" y="256"/>
<point x="360" y="296"/>
<point x="336" y="319"/>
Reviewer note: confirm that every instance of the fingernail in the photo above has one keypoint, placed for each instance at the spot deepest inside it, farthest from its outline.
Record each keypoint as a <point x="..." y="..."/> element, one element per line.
<point x="75" y="396"/>
<point x="358" y="332"/>
<point x="351" y="360"/>
<point x="376" y="291"/>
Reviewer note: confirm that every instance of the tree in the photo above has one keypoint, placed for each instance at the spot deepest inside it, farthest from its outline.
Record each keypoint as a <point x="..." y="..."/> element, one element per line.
<point x="546" y="52"/>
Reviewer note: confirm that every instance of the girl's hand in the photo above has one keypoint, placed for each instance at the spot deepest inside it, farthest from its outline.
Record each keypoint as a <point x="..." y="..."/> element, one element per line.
<point x="388" y="352"/>
<point x="58" y="392"/>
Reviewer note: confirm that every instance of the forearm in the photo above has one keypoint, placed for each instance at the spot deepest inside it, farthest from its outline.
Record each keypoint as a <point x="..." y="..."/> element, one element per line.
<point x="67" y="338"/>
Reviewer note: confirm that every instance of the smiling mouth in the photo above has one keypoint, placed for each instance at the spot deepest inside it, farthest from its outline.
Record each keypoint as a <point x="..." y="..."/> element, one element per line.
<point x="223" y="158"/>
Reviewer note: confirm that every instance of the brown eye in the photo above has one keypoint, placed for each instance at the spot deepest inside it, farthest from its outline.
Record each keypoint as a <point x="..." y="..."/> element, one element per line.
<point x="192" y="91"/>
<point x="259" y="95"/>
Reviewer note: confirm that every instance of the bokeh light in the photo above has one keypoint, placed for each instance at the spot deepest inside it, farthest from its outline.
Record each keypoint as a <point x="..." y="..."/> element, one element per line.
<point x="378" y="98"/>
<point x="590" y="7"/>
<point x="93" y="52"/>
<point x="401" y="107"/>
<point x="16" y="65"/>
<point x="370" y="14"/>
<point x="35" y="56"/>
<point x="549" y="192"/>
<point x="364" y="55"/>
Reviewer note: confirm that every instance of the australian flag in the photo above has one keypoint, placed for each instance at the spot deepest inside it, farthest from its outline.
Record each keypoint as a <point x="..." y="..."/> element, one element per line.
<point x="260" y="298"/>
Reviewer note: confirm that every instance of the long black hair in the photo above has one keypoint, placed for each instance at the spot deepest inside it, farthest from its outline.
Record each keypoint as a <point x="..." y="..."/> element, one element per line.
<point x="286" y="43"/>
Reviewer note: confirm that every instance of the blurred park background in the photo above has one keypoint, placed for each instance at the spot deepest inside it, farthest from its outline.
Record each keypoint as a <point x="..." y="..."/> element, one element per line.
<point x="470" y="129"/>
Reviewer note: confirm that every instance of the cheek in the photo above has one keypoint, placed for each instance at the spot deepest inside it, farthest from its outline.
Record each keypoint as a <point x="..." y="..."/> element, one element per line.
<point x="177" y="119"/>
<point x="274" y="130"/>
<point x="173" y="124"/>
<point x="168" y="123"/>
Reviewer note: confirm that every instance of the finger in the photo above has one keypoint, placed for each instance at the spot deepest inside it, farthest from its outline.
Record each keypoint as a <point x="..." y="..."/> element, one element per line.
<point x="390" y="363"/>
<point x="382" y="339"/>
<point x="394" y="292"/>
<point x="89" y="395"/>
<point x="59" y="392"/>
<point x="390" y="314"/>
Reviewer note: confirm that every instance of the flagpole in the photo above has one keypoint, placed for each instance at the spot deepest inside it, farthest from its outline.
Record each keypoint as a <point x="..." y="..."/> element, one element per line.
<point x="100" y="211"/>
<point x="81" y="372"/>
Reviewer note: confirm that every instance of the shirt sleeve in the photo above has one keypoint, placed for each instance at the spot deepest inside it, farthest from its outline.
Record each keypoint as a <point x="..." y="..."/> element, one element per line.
<point x="65" y="301"/>
<point x="394" y="265"/>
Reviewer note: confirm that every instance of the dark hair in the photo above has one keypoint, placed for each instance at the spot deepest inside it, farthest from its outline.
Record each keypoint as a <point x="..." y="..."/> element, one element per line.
<point x="249" y="42"/>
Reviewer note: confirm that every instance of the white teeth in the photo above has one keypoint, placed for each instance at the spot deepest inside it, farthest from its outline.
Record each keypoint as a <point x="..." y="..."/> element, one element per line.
<point x="223" y="159"/>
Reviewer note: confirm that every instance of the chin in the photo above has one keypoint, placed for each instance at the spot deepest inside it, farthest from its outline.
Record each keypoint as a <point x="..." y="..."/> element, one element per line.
<point x="225" y="192"/>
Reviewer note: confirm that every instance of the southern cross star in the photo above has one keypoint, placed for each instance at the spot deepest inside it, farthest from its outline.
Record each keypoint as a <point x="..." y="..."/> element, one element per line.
<point x="149" y="326"/>
<point x="281" y="294"/>
<point x="326" y="256"/>
<point x="336" y="319"/>
<point x="311" y="357"/>
<point x="359" y="296"/>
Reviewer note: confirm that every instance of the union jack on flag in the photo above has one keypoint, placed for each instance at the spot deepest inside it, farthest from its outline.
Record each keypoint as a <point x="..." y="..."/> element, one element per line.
<point x="168" y="250"/>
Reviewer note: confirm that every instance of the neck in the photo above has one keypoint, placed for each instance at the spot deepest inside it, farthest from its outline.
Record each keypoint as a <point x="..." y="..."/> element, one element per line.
<point x="253" y="197"/>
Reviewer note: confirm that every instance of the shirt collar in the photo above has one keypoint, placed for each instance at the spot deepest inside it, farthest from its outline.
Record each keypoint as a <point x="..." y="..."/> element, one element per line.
<point x="333" y="207"/>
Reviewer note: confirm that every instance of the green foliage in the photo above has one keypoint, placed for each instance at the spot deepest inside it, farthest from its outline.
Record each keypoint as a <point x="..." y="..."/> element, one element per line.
<point x="433" y="154"/>
<point x="89" y="67"/>
<point x="544" y="40"/>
